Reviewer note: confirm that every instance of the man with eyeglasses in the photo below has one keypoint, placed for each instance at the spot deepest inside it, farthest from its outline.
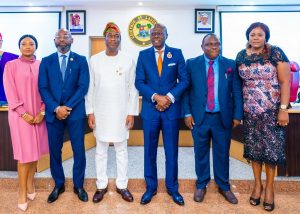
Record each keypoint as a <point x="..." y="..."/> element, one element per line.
<point x="63" y="82"/>
<point x="212" y="106"/>
<point x="111" y="103"/>
<point x="161" y="79"/>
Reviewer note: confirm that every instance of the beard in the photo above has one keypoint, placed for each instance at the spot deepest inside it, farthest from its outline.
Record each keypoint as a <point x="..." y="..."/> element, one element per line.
<point x="63" y="48"/>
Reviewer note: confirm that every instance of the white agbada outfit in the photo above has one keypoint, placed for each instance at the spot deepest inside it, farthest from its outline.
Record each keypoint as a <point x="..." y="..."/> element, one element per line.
<point x="111" y="97"/>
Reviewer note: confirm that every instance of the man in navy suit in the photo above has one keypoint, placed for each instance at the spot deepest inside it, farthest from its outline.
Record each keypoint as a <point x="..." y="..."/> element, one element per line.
<point x="212" y="106"/>
<point x="63" y="82"/>
<point x="161" y="79"/>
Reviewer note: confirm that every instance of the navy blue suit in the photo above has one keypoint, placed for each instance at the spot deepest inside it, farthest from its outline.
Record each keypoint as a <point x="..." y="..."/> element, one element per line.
<point x="216" y="126"/>
<point x="173" y="79"/>
<point x="70" y="92"/>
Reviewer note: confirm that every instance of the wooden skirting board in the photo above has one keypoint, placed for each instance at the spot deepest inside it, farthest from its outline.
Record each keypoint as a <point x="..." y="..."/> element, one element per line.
<point x="136" y="139"/>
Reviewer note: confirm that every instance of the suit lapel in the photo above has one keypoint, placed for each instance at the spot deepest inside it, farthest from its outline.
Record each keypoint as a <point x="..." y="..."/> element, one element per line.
<point x="203" y="76"/>
<point x="165" y="62"/>
<point x="222" y="78"/>
<point x="153" y="62"/>
<point x="69" y="66"/>
<point x="57" y="67"/>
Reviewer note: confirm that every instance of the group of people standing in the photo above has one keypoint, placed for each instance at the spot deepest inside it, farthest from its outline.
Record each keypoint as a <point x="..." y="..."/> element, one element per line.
<point x="212" y="93"/>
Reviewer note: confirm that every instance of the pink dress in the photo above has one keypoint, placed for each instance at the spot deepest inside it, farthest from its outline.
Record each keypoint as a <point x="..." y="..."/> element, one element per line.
<point x="20" y="80"/>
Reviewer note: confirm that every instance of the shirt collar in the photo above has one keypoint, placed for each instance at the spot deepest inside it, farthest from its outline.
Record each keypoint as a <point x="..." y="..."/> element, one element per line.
<point x="66" y="54"/>
<point x="207" y="59"/>
<point x="163" y="49"/>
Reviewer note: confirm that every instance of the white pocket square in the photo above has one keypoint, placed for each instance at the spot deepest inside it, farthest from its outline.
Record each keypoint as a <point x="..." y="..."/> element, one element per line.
<point x="171" y="64"/>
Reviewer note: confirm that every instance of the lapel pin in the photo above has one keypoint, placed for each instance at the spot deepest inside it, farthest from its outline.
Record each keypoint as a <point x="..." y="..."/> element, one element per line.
<point x="71" y="59"/>
<point x="169" y="55"/>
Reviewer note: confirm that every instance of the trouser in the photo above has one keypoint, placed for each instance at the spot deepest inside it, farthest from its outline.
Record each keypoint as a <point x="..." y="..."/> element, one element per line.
<point x="101" y="164"/>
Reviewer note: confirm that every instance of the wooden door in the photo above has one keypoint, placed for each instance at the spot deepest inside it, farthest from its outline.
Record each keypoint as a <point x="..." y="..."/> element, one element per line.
<point x="97" y="44"/>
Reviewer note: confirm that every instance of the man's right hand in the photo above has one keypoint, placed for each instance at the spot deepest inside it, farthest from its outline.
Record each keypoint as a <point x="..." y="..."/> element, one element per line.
<point x="91" y="121"/>
<point x="189" y="122"/>
<point x="163" y="102"/>
<point x="63" y="112"/>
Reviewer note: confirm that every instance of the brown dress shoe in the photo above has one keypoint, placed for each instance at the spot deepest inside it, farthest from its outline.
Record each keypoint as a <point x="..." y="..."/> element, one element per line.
<point x="199" y="195"/>
<point x="229" y="196"/>
<point x="99" y="194"/>
<point x="126" y="195"/>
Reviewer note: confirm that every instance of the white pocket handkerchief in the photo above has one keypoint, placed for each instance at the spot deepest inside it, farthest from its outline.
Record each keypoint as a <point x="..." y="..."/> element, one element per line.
<point x="171" y="64"/>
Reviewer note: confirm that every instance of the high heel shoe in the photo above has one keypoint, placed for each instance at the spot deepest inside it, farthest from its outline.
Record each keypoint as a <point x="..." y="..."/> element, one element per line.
<point x="23" y="207"/>
<point x="269" y="207"/>
<point x="256" y="201"/>
<point x="31" y="196"/>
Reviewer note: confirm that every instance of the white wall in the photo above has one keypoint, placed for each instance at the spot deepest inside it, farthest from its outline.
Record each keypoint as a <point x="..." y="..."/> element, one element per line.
<point x="179" y="22"/>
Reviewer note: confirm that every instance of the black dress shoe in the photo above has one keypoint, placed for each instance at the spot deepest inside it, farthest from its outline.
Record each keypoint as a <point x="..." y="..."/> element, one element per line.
<point x="229" y="196"/>
<point x="55" y="193"/>
<point x="147" y="196"/>
<point x="199" y="195"/>
<point x="126" y="195"/>
<point x="99" y="194"/>
<point x="177" y="198"/>
<point x="81" y="193"/>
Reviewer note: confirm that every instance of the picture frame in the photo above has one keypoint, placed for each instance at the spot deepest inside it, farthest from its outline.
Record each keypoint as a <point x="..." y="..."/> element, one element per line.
<point x="204" y="20"/>
<point x="76" y="21"/>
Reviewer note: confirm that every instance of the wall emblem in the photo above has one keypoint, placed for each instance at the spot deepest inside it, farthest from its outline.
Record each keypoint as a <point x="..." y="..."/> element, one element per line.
<point x="139" y="29"/>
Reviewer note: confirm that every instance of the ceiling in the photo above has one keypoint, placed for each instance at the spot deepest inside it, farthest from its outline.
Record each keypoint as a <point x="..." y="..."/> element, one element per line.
<point x="145" y="2"/>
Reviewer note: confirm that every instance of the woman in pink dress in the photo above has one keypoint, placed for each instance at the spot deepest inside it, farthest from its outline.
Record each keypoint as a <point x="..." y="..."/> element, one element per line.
<point x="25" y="116"/>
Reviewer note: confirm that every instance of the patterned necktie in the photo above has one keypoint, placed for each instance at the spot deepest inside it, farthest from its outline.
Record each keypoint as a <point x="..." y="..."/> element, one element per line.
<point x="159" y="62"/>
<point x="210" y="87"/>
<point x="63" y="66"/>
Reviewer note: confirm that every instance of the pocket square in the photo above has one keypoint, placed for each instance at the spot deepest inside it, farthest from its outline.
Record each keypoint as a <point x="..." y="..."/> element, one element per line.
<point x="171" y="64"/>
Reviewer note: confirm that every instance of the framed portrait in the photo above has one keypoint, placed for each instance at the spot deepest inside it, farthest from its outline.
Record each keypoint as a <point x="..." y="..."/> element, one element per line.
<point x="76" y="21"/>
<point x="204" y="20"/>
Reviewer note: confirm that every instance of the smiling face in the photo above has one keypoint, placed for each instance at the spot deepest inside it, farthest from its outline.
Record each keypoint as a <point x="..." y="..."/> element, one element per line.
<point x="257" y="38"/>
<point x="27" y="47"/>
<point x="158" y="36"/>
<point x="112" y="41"/>
<point x="63" y="41"/>
<point x="211" y="47"/>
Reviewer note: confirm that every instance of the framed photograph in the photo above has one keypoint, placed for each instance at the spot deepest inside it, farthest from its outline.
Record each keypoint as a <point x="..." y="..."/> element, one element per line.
<point x="204" y="20"/>
<point x="76" y="21"/>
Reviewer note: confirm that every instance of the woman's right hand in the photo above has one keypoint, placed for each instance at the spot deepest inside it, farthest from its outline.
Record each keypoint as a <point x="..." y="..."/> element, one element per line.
<point x="28" y="118"/>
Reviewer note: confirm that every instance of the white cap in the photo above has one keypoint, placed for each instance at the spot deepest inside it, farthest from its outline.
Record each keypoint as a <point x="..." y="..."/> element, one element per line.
<point x="204" y="15"/>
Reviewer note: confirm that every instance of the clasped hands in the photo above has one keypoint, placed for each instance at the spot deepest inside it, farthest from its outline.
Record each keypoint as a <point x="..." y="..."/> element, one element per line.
<point x="163" y="102"/>
<point x="33" y="120"/>
<point x="63" y="112"/>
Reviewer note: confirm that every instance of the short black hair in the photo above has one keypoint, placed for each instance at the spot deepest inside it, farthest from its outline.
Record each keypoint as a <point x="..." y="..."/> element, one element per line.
<point x="31" y="37"/>
<point x="261" y="25"/>
<point x="209" y="34"/>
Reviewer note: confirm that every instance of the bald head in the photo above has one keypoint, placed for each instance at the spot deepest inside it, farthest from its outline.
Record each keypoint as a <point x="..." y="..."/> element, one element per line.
<point x="63" y="40"/>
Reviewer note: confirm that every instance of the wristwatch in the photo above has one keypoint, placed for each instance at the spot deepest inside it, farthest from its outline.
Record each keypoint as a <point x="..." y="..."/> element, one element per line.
<point x="283" y="107"/>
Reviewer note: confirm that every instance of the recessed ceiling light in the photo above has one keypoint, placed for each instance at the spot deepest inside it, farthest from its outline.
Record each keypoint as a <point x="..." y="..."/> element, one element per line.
<point x="140" y="3"/>
<point x="30" y="4"/>
<point x="252" y="3"/>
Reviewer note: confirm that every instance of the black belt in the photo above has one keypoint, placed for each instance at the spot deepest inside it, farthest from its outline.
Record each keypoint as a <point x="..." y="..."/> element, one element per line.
<point x="207" y="112"/>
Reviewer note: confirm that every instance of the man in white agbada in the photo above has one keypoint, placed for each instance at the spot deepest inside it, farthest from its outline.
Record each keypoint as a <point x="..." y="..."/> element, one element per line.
<point x="111" y="103"/>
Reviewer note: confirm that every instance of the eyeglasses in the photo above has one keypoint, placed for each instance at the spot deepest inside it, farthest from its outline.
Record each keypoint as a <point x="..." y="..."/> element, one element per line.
<point x="157" y="34"/>
<point x="113" y="36"/>
<point x="62" y="37"/>
<point x="217" y="44"/>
